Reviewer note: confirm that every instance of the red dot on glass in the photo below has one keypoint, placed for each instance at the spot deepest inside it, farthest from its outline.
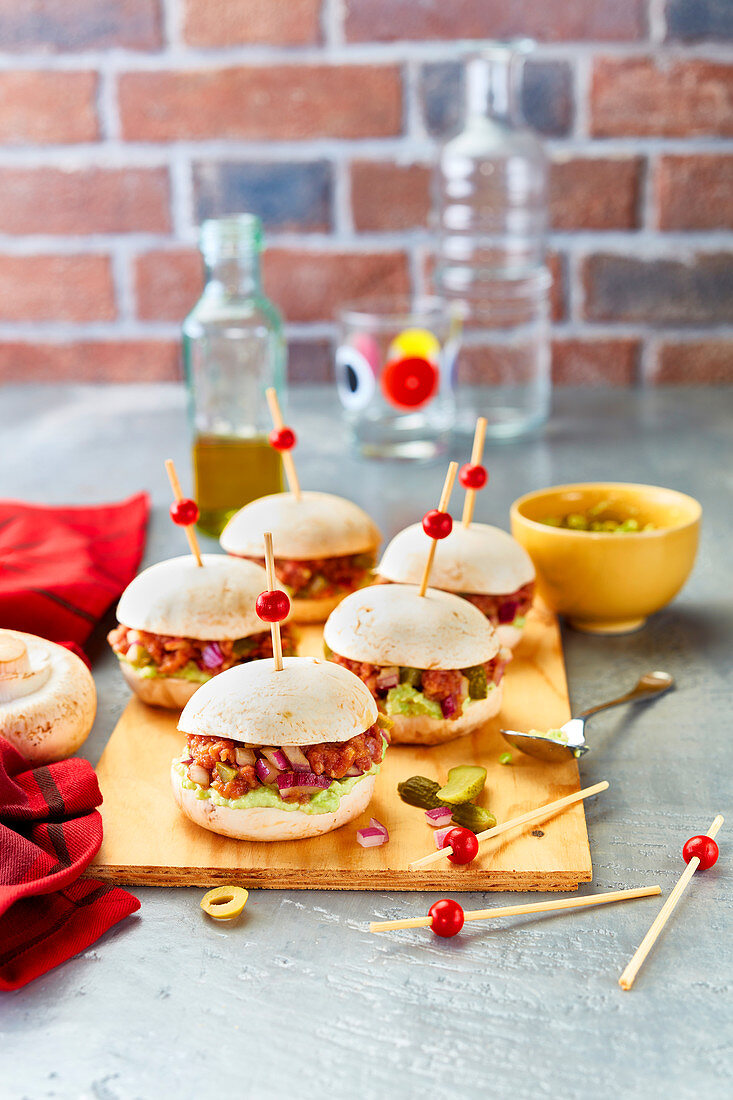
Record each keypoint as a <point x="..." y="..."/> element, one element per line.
<point x="464" y="845"/>
<point x="410" y="383"/>
<point x="704" y="847"/>
<point x="447" y="917"/>
<point x="473" y="477"/>
<point x="273" y="607"/>
<point x="184" y="512"/>
<point x="437" y="525"/>
<point x="282" y="439"/>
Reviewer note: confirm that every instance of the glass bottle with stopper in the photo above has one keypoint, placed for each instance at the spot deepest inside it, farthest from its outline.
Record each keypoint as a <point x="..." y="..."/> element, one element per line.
<point x="233" y="350"/>
<point x="491" y="211"/>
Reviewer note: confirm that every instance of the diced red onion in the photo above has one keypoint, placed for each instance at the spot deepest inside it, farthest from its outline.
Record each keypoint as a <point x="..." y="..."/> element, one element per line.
<point x="199" y="775"/>
<point x="244" y="756"/>
<point x="440" y="835"/>
<point x="448" y="706"/>
<point x="212" y="656"/>
<point x="277" y="758"/>
<point x="265" y="771"/>
<point x="298" y="759"/>
<point x="374" y="824"/>
<point x="441" y="815"/>
<point x="295" y="784"/>
<point x="371" y="838"/>
<point x="188" y="760"/>
<point x="388" y="678"/>
<point x="507" y="611"/>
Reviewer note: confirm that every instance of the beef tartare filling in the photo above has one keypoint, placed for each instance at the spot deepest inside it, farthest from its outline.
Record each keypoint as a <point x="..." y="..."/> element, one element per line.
<point x="220" y="758"/>
<point x="322" y="578"/>
<point x="448" y="688"/>
<point x="501" y="610"/>
<point x="169" y="654"/>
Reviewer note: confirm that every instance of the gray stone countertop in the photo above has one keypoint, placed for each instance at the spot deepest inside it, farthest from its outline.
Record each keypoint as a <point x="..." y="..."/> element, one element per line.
<point x="298" y="998"/>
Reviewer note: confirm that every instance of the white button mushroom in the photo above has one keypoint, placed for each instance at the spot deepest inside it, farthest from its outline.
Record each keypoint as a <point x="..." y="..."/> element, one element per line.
<point x="47" y="697"/>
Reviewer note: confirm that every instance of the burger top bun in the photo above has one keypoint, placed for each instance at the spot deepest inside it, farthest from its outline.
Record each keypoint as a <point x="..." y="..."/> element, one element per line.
<point x="479" y="558"/>
<point x="318" y="525"/>
<point x="47" y="697"/>
<point x="308" y="702"/>
<point x="391" y="624"/>
<point x="179" y="597"/>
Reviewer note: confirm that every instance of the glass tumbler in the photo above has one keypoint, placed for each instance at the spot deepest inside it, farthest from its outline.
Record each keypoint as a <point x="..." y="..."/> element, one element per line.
<point x="395" y="367"/>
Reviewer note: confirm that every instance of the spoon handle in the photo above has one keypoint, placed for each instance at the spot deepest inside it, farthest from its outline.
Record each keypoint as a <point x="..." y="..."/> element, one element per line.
<point x="650" y="684"/>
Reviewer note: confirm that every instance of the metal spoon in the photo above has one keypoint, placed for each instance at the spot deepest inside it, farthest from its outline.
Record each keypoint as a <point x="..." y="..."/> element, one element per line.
<point x="649" y="687"/>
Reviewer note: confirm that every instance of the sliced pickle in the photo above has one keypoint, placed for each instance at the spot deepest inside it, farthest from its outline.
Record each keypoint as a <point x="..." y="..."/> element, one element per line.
<point x="384" y="721"/>
<point x="411" y="676"/>
<point x="465" y="783"/>
<point x="224" y="902"/>
<point x="478" y="687"/>
<point x="419" y="791"/>
<point x="473" y="817"/>
<point x="226" y="773"/>
<point x="242" y="646"/>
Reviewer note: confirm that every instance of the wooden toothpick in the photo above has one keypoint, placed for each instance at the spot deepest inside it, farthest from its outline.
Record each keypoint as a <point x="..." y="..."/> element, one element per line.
<point x="193" y="542"/>
<point x="627" y="978"/>
<point x="277" y="645"/>
<point x="525" y="819"/>
<point x="450" y="477"/>
<point x="287" y="456"/>
<point x="477" y="454"/>
<point x="520" y="910"/>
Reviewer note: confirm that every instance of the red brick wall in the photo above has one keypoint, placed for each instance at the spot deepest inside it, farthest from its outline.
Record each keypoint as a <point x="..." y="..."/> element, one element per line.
<point x="123" y="123"/>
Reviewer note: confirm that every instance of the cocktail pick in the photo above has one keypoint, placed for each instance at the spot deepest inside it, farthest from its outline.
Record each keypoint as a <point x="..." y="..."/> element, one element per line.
<point x="525" y="819"/>
<point x="283" y="439"/>
<point x="184" y="511"/>
<point x="274" y="605"/>
<point x="446" y="917"/>
<point x="473" y="475"/>
<point x="699" y="851"/>
<point x="438" y="524"/>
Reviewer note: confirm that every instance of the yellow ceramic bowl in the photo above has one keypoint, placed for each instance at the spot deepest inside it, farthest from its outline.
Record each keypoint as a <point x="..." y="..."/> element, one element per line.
<point x="609" y="583"/>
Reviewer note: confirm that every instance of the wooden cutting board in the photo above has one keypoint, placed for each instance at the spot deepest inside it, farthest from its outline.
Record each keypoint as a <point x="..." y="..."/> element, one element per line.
<point x="148" y="842"/>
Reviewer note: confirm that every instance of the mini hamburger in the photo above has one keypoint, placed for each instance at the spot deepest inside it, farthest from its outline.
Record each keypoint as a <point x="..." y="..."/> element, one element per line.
<point x="279" y="755"/>
<point x="326" y="547"/>
<point x="182" y="624"/>
<point x="433" y="663"/>
<point x="483" y="564"/>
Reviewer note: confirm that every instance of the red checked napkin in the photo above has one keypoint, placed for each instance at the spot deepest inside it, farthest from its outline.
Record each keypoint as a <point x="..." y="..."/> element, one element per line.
<point x="61" y="568"/>
<point x="49" y="833"/>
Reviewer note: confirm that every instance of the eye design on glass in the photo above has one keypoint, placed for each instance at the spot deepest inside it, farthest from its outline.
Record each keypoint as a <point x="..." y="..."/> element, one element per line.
<point x="354" y="378"/>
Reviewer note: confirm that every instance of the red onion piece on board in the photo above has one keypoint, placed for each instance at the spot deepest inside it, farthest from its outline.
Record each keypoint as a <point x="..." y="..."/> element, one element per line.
<point x="441" y="815"/>
<point x="371" y="838"/>
<point x="440" y="835"/>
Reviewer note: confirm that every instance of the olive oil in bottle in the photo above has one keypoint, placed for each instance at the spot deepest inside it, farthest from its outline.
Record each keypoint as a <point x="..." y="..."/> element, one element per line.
<point x="231" y="468"/>
<point x="233" y="350"/>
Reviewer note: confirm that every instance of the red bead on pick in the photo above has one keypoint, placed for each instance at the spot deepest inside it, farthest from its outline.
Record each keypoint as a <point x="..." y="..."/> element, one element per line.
<point x="184" y="512"/>
<point x="464" y="845"/>
<point x="437" y="525"/>
<point x="447" y="917"/>
<point x="704" y="847"/>
<point x="282" y="439"/>
<point x="273" y="607"/>
<point x="473" y="477"/>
